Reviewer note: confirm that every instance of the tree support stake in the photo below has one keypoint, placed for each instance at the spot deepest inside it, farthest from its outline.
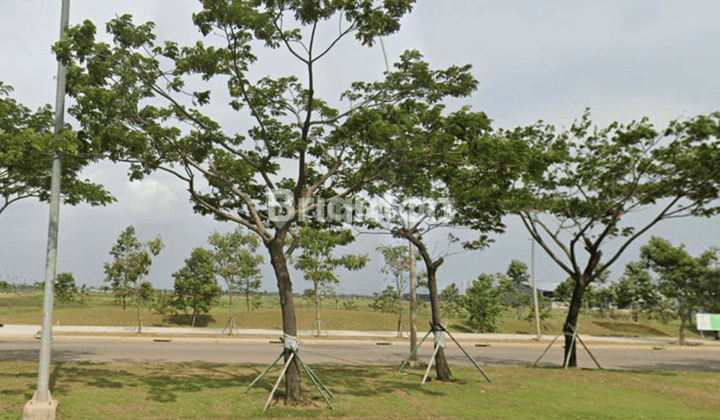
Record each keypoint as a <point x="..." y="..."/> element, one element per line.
<point x="291" y="343"/>
<point x="575" y="337"/>
<point x="439" y="331"/>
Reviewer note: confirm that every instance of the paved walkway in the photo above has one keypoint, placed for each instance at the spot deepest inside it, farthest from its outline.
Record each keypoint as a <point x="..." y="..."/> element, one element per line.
<point x="29" y="331"/>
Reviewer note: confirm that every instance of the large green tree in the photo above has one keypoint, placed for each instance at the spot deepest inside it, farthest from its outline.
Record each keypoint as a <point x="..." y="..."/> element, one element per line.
<point x="576" y="202"/>
<point x="27" y="147"/>
<point x="132" y="260"/>
<point x="467" y="184"/>
<point x="152" y="103"/>
<point x="318" y="263"/>
<point x="196" y="287"/>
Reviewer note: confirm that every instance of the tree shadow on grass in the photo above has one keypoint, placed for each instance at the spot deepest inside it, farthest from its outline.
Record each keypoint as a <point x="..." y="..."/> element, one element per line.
<point x="360" y="382"/>
<point x="167" y="383"/>
<point x="186" y="320"/>
<point x="163" y="384"/>
<point x="18" y="378"/>
<point x="34" y="355"/>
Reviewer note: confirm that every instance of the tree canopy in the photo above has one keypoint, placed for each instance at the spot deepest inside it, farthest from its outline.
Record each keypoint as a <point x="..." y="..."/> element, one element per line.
<point x="288" y="152"/>
<point x="587" y="181"/>
<point x="27" y="148"/>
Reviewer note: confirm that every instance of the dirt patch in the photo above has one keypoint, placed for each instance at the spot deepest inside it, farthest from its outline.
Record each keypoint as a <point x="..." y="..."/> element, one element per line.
<point x="630" y="328"/>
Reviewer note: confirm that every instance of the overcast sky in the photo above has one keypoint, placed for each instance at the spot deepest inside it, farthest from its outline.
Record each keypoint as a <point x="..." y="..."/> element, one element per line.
<point x="535" y="60"/>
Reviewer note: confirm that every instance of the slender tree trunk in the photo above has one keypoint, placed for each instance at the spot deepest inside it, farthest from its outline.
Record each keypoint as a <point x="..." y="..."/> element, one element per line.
<point x="441" y="366"/>
<point x="230" y="293"/>
<point x="683" y="323"/>
<point x="137" y="306"/>
<point x="247" y="299"/>
<point x="287" y="306"/>
<point x="317" y="309"/>
<point x="399" y="317"/>
<point x="571" y="320"/>
<point x="413" y="303"/>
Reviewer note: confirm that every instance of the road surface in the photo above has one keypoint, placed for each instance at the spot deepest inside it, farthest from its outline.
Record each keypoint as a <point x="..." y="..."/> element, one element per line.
<point x="353" y="352"/>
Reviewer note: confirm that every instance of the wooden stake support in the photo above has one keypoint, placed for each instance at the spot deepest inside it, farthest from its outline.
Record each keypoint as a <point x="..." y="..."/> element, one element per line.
<point x="566" y="361"/>
<point x="230" y="327"/>
<point x="439" y="331"/>
<point x="138" y="326"/>
<point x="291" y="343"/>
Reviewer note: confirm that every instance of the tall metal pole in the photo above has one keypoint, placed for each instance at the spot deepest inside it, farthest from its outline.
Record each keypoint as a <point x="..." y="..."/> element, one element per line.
<point x="51" y="258"/>
<point x="534" y="288"/>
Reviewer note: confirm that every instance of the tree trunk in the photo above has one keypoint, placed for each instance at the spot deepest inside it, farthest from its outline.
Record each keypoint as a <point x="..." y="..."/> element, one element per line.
<point x="571" y="320"/>
<point x="441" y="367"/>
<point x="139" y="324"/>
<point x="247" y="299"/>
<point x="683" y="321"/>
<point x="317" y="309"/>
<point x="399" y="331"/>
<point x="413" y="303"/>
<point x="230" y="293"/>
<point x="287" y="306"/>
<point x="399" y="307"/>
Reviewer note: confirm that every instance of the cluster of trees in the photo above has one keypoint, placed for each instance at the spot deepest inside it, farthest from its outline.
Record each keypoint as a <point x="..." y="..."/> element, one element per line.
<point x="66" y="290"/>
<point x="232" y="257"/>
<point x="492" y="294"/>
<point x="666" y="282"/>
<point x="142" y="101"/>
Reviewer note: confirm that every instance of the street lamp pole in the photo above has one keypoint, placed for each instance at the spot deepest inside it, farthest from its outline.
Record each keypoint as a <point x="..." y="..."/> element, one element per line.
<point x="534" y="288"/>
<point x="42" y="406"/>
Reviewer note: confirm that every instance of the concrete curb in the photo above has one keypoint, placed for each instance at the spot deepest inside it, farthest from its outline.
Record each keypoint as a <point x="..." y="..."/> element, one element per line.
<point x="29" y="331"/>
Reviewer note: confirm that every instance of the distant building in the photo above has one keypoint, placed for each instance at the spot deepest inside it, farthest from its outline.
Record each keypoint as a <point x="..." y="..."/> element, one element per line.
<point x="425" y="297"/>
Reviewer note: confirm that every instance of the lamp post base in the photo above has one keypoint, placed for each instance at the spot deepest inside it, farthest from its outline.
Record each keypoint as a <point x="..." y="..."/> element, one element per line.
<point x="40" y="410"/>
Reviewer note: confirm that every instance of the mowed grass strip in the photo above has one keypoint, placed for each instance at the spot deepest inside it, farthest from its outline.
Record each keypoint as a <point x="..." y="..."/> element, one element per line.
<point x="102" y="310"/>
<point x="194" y="391"/>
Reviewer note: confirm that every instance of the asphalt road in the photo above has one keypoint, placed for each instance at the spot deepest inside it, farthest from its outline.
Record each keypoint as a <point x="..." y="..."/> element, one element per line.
<point x="353" y="352"/>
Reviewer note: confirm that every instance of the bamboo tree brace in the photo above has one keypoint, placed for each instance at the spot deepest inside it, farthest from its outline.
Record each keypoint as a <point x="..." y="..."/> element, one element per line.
<point x="291" y="343"/>
<point x="439" y="332"/>
<point x="439" y="337"/>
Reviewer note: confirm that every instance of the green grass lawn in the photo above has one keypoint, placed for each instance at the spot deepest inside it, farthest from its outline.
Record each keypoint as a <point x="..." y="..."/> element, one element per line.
<point x="101" y="309"/>
<point x="194" y="391"/>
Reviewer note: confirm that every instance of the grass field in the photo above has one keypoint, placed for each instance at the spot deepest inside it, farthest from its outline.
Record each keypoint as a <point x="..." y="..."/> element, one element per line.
<point x="101" y="309"/>
<point x="188" y="391"/>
